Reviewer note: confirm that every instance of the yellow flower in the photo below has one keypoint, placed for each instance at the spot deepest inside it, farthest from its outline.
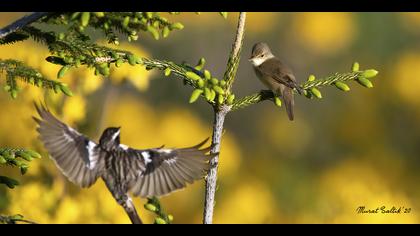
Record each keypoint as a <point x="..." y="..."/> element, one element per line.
<point x="74" y="109"/>
<point x="406" y="77"/>
<point x="250" y="202"/>
<point x="324" y="33"/>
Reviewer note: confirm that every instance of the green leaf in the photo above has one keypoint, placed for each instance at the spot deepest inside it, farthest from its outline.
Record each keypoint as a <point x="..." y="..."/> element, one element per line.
<point x="370" y="73"/>
<point x="165" y="31"/>
<point x="177" y="26"/>
<point x="277" y="101"/>
<point x="311" y="78"/>
<point x="167" y="71"/>
<point x="84" y="19"/>
<point x="193" y="76"/>
<point x="62" y="71"/>
<point x="365" y="82"/>
<point x="355" y="67"/>
<point x="65" y="90"/>
<point x="230" y="99"/>
<point x="195" y="94"/>
<point x="342" y="86"/>
<point x="160" y="221"/>
<point x="219" y="90"/>
<point x="316" y="92"/>
<point x="150" y="207"/>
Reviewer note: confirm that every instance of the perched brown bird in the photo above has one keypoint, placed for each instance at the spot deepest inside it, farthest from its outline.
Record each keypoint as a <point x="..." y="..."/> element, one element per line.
<point x="275" y="75"/>
<point x="144" y="172"/>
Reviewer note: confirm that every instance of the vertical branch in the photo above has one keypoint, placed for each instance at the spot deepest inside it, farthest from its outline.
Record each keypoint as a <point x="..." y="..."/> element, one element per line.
<point x="211" y="180"/>
<point x="219" y="118"/>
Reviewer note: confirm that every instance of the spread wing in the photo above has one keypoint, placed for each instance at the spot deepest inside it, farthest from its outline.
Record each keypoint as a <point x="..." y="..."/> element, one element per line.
<point x="162" y="170"/>
<point x="77" y="157"/>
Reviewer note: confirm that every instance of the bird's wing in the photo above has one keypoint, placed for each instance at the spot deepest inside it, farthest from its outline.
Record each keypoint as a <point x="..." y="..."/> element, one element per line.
<point x="162" y="171"/>
<point x="76" y="156"/>
<point x="280" y="74"/>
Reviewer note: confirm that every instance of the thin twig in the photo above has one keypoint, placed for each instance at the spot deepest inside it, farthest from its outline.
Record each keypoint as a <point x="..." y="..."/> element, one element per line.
<point x="22" y="22"/>
<point x="219" y="118"/>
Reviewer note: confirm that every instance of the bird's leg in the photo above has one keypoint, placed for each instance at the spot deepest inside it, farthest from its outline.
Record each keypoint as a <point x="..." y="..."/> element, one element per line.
<point x="129" y="208"/>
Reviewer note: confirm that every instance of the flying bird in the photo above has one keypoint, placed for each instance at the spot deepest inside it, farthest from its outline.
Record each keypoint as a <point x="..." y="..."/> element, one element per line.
<point x="275" y="75"/>
<point x="144" y="172"/>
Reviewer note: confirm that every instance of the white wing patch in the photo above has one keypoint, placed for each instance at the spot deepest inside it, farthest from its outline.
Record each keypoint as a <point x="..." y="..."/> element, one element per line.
<point x="167" y="151"/>
<point x="146" y="156"/>
<point x="93" y="156"/>
<point x="123" y="146"/>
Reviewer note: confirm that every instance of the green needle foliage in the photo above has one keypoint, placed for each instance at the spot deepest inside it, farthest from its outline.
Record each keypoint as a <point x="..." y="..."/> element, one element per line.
<point x="14" y="219"/>
<point x="14" y="70"/>
<point x="16" y="158"/>
<point x="154" y="206"/>
<point x="312" y="86"/>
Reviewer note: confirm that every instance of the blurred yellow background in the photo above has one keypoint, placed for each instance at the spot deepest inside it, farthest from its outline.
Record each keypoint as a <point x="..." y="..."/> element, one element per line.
<point x="346" y="150"/>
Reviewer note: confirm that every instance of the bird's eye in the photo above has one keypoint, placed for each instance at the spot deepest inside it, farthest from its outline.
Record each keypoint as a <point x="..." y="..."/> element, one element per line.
<point x="262" y="55"/>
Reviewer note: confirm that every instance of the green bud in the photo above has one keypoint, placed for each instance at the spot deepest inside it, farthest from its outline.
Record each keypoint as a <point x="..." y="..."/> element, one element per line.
<point x="7" y="88"/>
<point x="33" y="153"/>
<point x="32" y="80"/>
<point x="11" y="183"/>
<point x="170" y="217"/>
<point x="316" y="92"/>
<point x="156" y="24"/>
<point x="119" y="62"/>
<point x="213" y="95"/>
<point x="23" y="168"/>
<point x="177" y="26"/>
<point x="342" y="86"/>
<point x="160" y="221"/>
<point x="114" y="55"/>
<point x="78" y="62"/>
<point x="193" y="76"/>
<point x="149" y="15"/>
<point x="311" y="78"/>
<point x="8" y="155"/>
<point x="62" y="71"/>
<point x="168" y="71"/>
<point x="153" y="31"/>
<point x="277" y="101"/>
<point x="207" y="94"/>
<point x="365" y="82"/>
<point x="150" y="207"/>
<point x="219" y="90"/>
<point x="222" y="83"/>
<point x="96" y="71"/>
<point x="230" y="99"/>
<point x="14" y="93"/>
<point x="39" y="83"/>
<point x="56" y="88"/>
<point x="214" y="81"/>
<point x="16" y="217"/>
<point x="200" y="83"/>
<point x="24" y="155"/>
<point x="126" y="21"/>
<point x="200" y="64"/>
<point x="99" y="14"/>
<point x="74" y="15"/>
<point x="65" y="90"/>
<point x="2" y="160"/>
<point x="105" y="71"/>
<point x="165" y="31"/>
<point x="355" y="67"/>
<point x="195" y="94"/>
<point x="131" y="59"/>
<point x="84" y="19"/>
<point x="369" y="73"/>
<point x="220" y="99"/>
<point x="224" y="14"/>
<point x="207" y="74"/>
<point x="61" y="36"/>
